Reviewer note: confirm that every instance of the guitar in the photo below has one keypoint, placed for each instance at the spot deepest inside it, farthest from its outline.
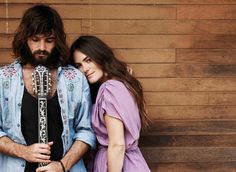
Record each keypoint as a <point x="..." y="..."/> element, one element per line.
<point x="41" y="78"/>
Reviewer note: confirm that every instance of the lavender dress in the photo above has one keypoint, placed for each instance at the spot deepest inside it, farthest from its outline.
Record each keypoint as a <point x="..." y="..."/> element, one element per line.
<point x="114" y="99"/>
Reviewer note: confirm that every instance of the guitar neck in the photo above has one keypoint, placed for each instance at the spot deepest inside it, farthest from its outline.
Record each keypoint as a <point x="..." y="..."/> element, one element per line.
<point x="42" y="121"/>
<point x="42" y="84"/>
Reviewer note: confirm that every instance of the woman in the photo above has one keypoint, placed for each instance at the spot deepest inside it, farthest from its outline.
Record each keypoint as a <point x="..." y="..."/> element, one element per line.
<point x="118" y="111"/>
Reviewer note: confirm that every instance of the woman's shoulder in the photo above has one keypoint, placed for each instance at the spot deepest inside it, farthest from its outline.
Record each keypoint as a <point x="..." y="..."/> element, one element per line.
<point x="113" y="88"/>
<point x="113" y="85"/>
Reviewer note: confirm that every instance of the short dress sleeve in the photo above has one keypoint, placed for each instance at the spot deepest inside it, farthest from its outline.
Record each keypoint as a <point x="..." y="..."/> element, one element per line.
<point x="110" y="101"/>
<point x="119" y="103"/>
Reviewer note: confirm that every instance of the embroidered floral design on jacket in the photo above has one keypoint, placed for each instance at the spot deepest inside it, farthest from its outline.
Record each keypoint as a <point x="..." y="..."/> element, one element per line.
<point x="70" y="74"/>
<point x="9" y="71"/>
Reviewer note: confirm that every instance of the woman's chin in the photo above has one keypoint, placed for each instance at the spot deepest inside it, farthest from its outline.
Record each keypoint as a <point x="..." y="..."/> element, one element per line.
<point x="92" y="81"/>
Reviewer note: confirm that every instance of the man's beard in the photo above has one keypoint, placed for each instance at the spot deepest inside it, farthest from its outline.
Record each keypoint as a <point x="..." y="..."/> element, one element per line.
<point x="51" y="61"/>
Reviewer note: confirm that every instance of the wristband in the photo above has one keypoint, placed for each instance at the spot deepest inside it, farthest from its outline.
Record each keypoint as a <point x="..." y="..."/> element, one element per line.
<point x="62" y="166"/>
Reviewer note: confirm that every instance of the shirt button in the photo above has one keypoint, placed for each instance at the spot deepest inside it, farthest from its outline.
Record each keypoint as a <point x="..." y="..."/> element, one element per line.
<point x="22" y="165"/>
<point x="18" y="125"/>
<point x="19" y="104"/>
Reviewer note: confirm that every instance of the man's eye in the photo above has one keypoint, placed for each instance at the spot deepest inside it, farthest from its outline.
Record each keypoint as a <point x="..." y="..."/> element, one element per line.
<point x="49" y="40"/>
<point x="35" y="39"/>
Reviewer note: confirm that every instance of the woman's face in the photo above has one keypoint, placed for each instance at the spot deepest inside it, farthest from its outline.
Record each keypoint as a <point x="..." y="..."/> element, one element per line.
<point x="91" y="69"/>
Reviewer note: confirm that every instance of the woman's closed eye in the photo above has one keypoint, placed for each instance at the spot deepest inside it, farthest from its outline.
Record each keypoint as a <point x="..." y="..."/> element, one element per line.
<point x="78" y="65"/>
<point x="88" y="60"/>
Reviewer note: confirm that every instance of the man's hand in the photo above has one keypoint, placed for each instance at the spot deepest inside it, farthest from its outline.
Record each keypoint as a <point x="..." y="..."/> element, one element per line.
<point x="54" y="166"/>
<point x="38" y="152"/>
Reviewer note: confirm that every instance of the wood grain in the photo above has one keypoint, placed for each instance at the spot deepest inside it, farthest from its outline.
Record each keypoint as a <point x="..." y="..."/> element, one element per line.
<point x="183" y="53"/>
<point x="191" y="98"/>
<point x="189" y="154"/>
<point x="194" y="167"/>
<point x="147" y="27"/>
<point x="211" y="56"/>
<point x="194" y="112"/>
<point x="151" y="2"/>
<point x="206" y="12"/>
<point x="100" y="11"/>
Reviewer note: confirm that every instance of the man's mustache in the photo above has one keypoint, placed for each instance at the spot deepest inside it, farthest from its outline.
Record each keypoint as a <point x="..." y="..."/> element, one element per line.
<point x="42" y="52"/>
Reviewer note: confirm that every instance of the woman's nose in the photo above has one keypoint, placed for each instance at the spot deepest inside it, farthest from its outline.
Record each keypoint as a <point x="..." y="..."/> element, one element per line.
<point x="85" y="69"/>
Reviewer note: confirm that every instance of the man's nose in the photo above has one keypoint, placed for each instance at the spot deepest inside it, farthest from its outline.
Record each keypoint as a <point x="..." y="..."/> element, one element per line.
<point x="42" y="45"/>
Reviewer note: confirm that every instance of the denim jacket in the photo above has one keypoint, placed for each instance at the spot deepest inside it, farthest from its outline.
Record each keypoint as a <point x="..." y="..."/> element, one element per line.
<point x="75" y="102"/>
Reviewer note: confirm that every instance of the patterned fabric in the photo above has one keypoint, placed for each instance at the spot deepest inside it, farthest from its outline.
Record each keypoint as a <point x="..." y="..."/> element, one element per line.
<point x="70" y="74"/>
<point x="74" y="98"/>
<point x="9" y="71"/>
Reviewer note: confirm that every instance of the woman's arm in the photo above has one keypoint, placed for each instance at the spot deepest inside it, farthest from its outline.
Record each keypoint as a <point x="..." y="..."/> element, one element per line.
<point x="116" y="143"/>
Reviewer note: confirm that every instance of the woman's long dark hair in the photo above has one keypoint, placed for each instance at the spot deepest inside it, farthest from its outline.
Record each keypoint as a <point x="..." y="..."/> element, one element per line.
<point x="103" y="55"/>
<point x="40" y="19"/>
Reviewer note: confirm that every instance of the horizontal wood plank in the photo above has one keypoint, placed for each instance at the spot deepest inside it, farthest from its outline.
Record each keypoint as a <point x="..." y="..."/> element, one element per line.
<point x="3" y="11"/>
<point x="5" y="41"/>
<point x="183" y="70"/>
<point x="100" y="11"/>
<point x="187" y="141"/>
<point x="144" y="27"/>
<point x="153" y="41"/>
<point x="9" y="26"/>
<point x="212" y="56"/>
<point x="191" y="112"/>
<point x="148" y="27"/>
<point x="146" y="55"/>
<point x="188" y="84"/>
<point x="83" y="1"/>
<point x="195" y="2"/>
<point x="192" y="127"/>
<point x="206" y="12"/>
<point x="6" y="56"/>
<point x="168" y="41"/>
<point x="151" y="2"/>
<point x="119" y="12"/>
<point x="191" y="98"/>
<point x="189" y="154"/>
<point x="127" y="55"/>
<point x="194" y="167"/>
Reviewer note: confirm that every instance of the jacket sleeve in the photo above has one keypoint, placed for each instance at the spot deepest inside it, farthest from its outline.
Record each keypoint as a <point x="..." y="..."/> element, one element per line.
<point x="2" y="133"/>
<point x="83" y="128"/>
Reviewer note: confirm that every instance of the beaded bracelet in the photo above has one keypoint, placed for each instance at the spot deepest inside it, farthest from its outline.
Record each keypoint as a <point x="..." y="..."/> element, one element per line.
<point x="63" y="167"/>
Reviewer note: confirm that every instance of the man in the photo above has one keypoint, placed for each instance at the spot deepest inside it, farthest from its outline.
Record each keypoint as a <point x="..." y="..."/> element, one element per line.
<point x="41" y="40"/>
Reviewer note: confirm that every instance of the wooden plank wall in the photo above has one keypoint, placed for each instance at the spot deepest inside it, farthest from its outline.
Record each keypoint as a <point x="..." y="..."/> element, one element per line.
<point x="183" y="52"/>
